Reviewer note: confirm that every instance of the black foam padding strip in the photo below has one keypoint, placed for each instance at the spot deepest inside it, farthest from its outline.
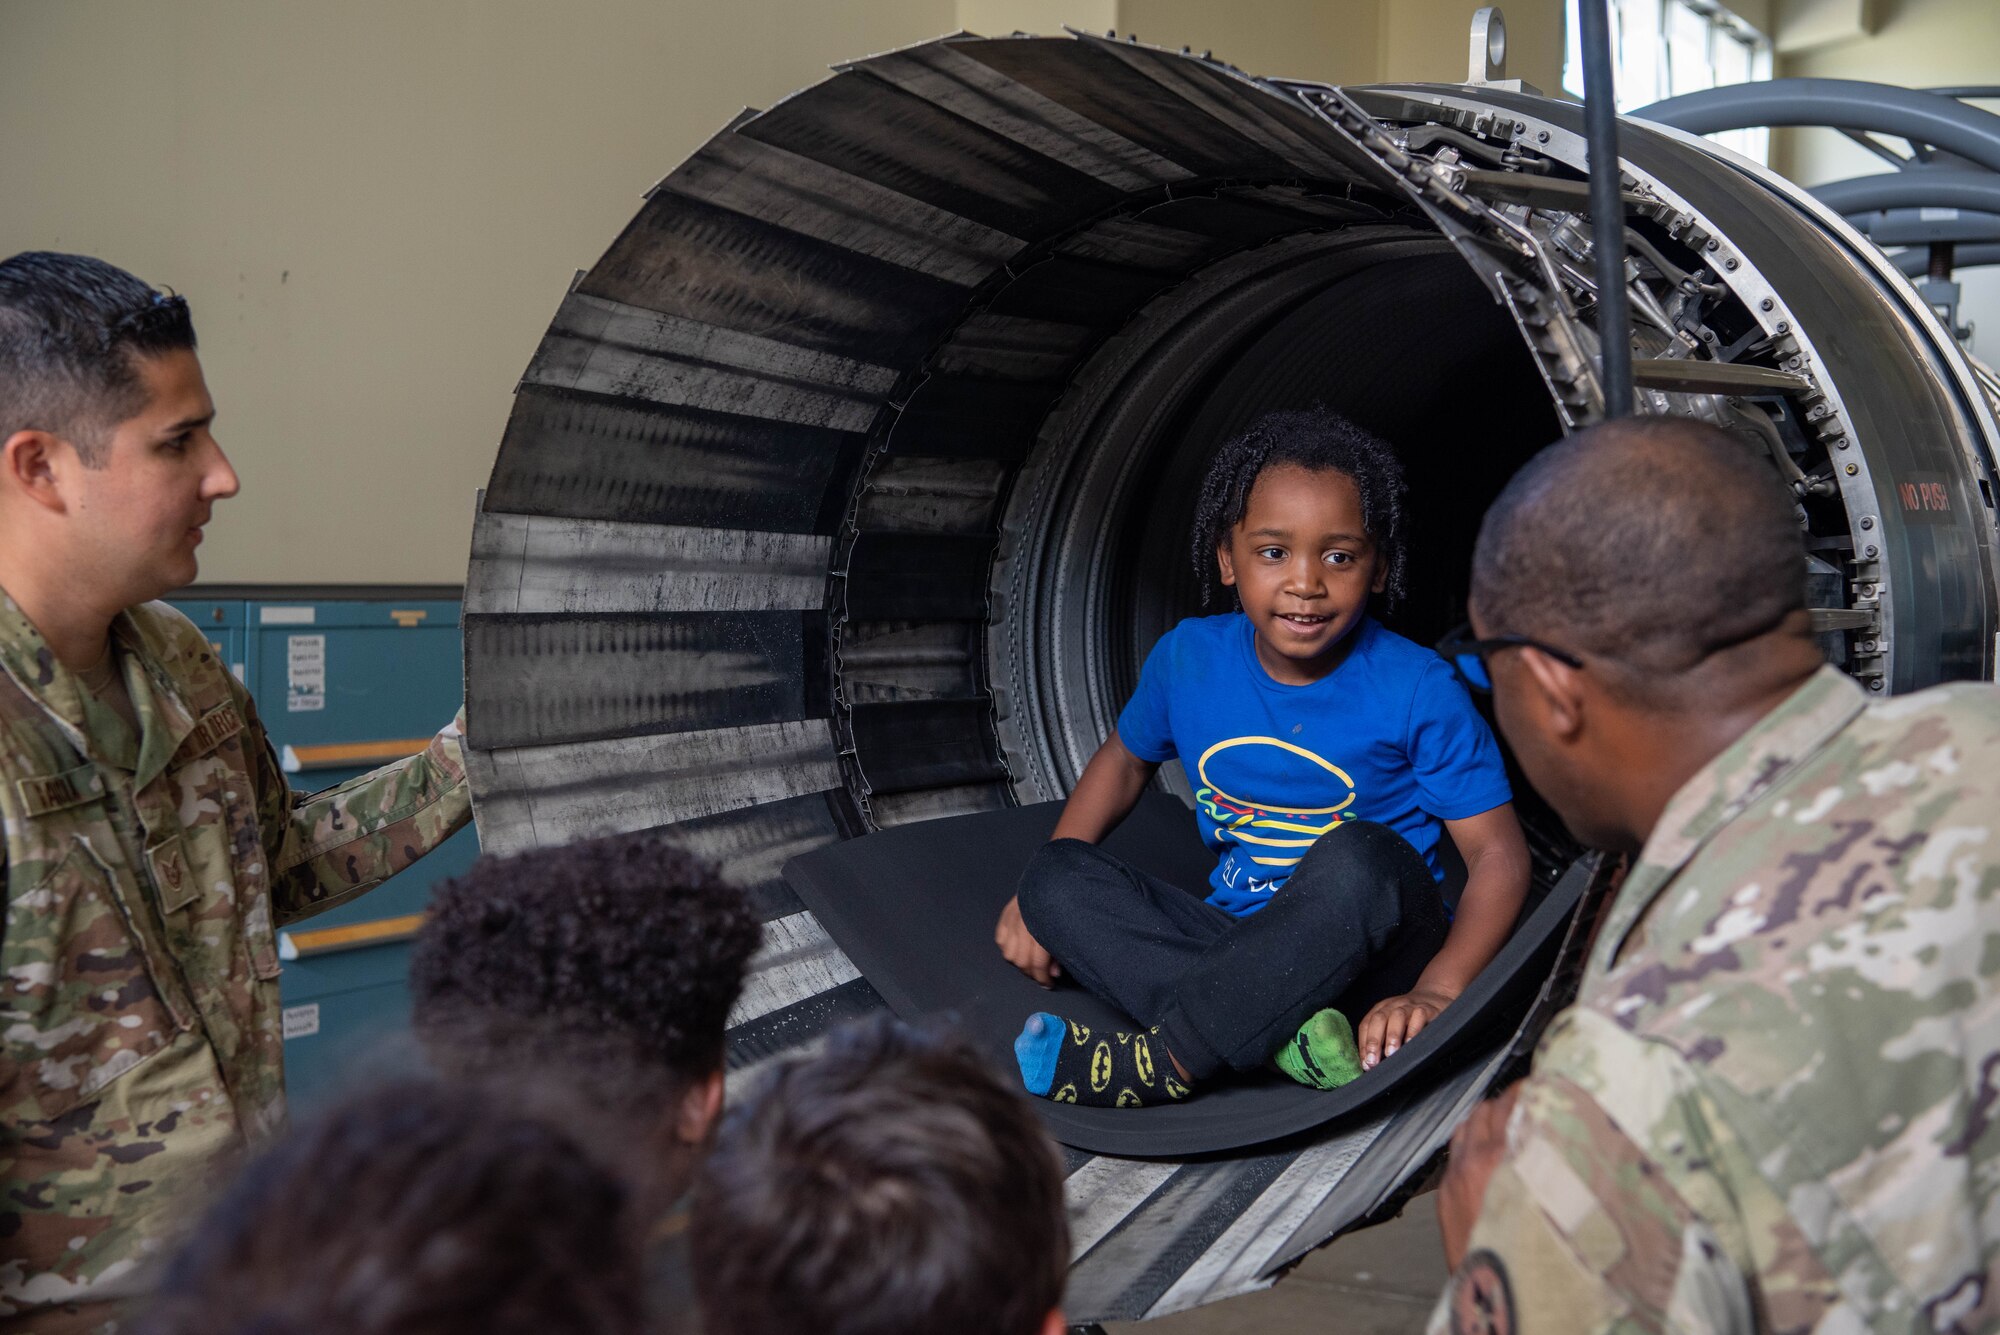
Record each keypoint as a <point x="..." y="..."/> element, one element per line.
<point x="1155" y="1245"/>
<point x="798" y="1024"/>
<point x="914" y="909"/>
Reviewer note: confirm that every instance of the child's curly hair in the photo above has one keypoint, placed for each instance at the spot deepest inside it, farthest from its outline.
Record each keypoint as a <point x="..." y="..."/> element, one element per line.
<point x="617" y="959"/>
<point x="1318" y="439"/>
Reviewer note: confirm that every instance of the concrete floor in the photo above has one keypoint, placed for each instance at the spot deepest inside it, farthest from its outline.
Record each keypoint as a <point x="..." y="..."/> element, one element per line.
<point x="1380" y="1281"/>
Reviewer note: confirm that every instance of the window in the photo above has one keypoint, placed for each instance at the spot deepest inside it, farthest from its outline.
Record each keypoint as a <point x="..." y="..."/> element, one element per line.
<point x="1663" y="48"/>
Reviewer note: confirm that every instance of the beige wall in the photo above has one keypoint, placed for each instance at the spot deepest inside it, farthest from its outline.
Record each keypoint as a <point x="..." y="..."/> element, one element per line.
<point x="1917" y="43"/>
<point x="1333" y="41"/>
<point x="1430" y="40"/>
<point x="997" y="18"/>
<point x="375" y="205"/>
<point x="1339" y="41"/>
<point x="1805" y="25"/>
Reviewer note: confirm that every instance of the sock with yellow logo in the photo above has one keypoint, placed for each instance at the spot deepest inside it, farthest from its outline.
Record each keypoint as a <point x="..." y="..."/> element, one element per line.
<point x="1067" y="1062"/>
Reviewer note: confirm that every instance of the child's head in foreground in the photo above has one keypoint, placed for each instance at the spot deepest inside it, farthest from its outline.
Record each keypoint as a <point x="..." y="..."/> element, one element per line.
<point x="1302" y="516"/>
<point x="411" y="1208"/>
<point x="602" y="971"/>
<point x="888" y="1186"/>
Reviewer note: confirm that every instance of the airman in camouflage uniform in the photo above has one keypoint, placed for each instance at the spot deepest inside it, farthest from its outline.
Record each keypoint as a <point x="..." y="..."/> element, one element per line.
<point x="1772" y="1102"/>
<point x="153" y="848"/>
<point x="1772" y="1105"/>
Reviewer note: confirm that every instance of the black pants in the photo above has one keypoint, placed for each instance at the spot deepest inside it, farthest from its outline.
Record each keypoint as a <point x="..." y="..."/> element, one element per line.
<point x="1358" y="920"/>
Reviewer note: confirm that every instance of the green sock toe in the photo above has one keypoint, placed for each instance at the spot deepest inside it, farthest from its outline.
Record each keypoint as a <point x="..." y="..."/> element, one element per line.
<point x="1322" y="1054"/>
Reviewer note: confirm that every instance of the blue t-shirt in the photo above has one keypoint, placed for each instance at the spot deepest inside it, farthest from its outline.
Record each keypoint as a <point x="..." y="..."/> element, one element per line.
<point x="1389" y="736"/>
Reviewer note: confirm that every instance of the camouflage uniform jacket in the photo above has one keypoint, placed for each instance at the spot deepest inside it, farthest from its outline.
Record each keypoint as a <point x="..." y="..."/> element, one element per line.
<point x="1775" y="1104"/>
<point x="146" y="877"/>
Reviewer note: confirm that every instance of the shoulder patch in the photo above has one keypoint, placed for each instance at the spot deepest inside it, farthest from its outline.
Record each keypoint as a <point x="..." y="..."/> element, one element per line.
<point x="1482" y="1301"/>
<point x="215" y="727"/>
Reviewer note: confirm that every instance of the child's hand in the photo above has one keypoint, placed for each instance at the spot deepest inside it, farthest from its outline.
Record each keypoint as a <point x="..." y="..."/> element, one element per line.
<point x="1021" y="949"/>
<point x="1394" y="1021"/>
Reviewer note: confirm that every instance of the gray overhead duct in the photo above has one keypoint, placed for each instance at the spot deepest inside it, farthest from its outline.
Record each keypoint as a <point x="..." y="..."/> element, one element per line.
<point x="1944" y="194"/>
<point x="1916" y="263"/>
<point x="1930" y="118"/>
<point x="849" y="487"/>
<point x="1935" y="187"/>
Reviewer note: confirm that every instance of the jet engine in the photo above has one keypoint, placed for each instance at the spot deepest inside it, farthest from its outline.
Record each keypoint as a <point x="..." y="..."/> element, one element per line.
<point x="851" y="485"/>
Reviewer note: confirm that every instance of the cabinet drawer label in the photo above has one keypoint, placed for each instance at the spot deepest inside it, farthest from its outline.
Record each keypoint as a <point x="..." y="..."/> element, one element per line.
<point x="305" y="673"/>
<point x="301" y="1021"/>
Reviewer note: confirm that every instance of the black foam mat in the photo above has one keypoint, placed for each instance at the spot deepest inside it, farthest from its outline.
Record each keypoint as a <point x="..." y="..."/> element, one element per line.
<point x="914" y="908"/>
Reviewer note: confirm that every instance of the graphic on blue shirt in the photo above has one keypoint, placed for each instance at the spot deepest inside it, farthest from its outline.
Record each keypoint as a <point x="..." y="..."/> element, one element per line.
<point x="1275" y="835"/>
<point x="1389" y="736"/>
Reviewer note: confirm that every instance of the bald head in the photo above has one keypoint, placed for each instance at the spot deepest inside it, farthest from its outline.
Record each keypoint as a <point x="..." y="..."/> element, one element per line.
<point x="1646" y="543"/>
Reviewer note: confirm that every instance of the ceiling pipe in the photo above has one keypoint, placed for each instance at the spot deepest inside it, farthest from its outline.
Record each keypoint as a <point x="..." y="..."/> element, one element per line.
<point x="1917" y="263"/>
<point x="1935" y="188"/>
<point x="1848" y="104"/>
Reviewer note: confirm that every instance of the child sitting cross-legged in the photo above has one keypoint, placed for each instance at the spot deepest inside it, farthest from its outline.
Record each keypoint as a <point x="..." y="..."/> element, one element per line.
<point x="890" y="1185"/>
<point x="1326" y="754"/>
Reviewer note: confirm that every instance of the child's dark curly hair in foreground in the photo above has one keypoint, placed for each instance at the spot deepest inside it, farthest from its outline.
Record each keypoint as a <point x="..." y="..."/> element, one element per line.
<point x="1313" y="438"/>
<point x="613" y="961"/>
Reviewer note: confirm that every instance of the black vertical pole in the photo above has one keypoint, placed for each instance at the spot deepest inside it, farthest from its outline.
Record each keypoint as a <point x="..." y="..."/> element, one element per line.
<point x="1607" y="210"/>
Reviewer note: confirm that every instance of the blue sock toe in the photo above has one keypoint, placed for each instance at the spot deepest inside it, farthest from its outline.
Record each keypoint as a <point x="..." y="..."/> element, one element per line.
<point x="1041" y="1039"/>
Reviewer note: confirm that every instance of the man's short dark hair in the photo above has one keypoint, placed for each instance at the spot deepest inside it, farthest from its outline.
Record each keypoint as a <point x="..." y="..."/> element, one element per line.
<point x="411" y="1207"/>
<point x="70" y="329"/>
<point x="889" y="1186"/>
<point x="610" y="963"/>
<point x="1647" y="543"/>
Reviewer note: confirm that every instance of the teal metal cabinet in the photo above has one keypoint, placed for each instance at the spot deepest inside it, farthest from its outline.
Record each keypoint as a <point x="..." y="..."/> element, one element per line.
<point x="222" y="621"/>
<point x="344" y="684"/>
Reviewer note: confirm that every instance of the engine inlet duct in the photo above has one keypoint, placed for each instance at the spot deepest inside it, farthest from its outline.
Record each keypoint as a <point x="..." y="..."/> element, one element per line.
<point x="850" y="487"/>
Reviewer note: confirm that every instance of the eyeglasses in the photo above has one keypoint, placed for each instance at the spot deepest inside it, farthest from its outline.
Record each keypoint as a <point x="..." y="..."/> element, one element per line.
<point x="1467" y="654"/>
